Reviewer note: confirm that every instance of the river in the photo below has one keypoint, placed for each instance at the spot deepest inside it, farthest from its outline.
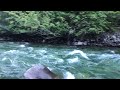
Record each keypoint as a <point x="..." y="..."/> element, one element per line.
<point x="66" y="61"/>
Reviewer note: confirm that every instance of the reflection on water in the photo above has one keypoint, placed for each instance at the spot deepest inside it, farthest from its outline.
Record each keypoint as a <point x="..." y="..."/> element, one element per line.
<point x="67" y="62"/>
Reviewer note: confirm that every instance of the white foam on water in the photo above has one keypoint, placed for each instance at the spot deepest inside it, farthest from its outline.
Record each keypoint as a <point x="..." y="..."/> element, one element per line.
<point x="81" y="76"/>
<point x="32" y="55"/>
<point x="60" y="60"/>
<point x="13" y="63"/>
<point x="11" y="51"/>
<point x="110" y="51"/>
<point x="26" y="43"/>
<point x="22" y="45"/>
<point x="113" y="52"/>
<point x="43" y="51"/>
<point x="68" y="75"/>
<point x="107" y="56"/>
<point x="22" y="62"/>
<point x="14" y="52"/>
<point x="30" y="49"/>
<point x="50" y="68"/>
<point x="51" y="56"/>
<point x="3" y="59"/>
<point x="80" y="52"/>
<point x="74" y="60"/>
<point x="92" y="54"/>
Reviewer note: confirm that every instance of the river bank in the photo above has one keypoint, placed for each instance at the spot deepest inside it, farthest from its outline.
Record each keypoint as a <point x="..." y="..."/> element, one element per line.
<point x="105" y="39"/>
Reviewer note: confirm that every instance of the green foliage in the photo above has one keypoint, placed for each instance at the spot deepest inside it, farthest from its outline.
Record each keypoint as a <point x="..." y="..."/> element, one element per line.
<point x="60" y="23"/>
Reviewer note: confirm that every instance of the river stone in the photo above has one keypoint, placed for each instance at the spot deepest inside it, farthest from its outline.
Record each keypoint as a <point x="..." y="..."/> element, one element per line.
<point x="39" y="72"/>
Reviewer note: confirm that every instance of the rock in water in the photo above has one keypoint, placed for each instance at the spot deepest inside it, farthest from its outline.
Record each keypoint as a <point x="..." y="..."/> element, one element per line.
<point x="39" y="72"/>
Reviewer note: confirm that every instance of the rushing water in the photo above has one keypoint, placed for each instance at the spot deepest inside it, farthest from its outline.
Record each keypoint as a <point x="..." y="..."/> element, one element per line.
<point x="67" y="62"/>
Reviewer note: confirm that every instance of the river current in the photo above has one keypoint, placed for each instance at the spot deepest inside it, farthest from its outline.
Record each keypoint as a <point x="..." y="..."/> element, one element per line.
<point x="68" y="62"/>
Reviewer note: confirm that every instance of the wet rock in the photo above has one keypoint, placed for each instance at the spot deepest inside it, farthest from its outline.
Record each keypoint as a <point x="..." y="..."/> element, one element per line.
<point x="39" y="72"/>
<point x="111" y="39"/>
<point x="105" y="39"/>
<point x="80" y="43"/>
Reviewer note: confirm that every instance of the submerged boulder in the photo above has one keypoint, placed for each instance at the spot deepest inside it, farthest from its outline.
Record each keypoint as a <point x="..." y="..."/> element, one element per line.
<point x="39" y="72"/>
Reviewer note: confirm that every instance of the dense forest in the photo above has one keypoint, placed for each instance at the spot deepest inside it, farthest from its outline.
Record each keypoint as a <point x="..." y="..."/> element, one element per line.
<point x="57" y="26"/>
